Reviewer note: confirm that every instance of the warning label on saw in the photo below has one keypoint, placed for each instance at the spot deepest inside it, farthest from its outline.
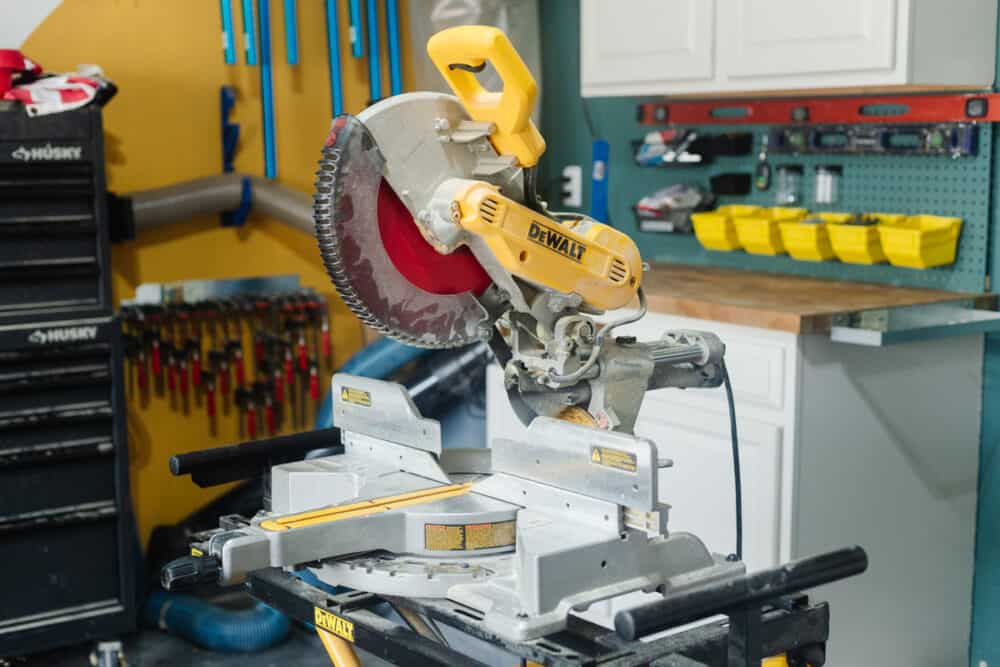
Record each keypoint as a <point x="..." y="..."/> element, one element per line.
<point x="613" y="458"/>
<point x="356" y="396"/>
<point x="469" y="537"/>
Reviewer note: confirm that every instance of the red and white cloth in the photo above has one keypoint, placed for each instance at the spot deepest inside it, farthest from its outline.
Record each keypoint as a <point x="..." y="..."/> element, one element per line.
<point x="43" y="94"/>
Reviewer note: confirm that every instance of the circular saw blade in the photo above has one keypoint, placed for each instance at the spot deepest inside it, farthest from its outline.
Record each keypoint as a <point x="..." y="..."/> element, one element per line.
<point x="409" y="305"/>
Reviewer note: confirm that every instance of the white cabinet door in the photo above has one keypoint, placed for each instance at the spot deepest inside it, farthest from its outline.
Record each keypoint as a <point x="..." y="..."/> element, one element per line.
<point x="699" y="486"/>
<point x="798" y="39"/>
<point x="629" y="45"/>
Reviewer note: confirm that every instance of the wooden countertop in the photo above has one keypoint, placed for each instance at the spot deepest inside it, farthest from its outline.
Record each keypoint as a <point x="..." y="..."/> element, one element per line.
<point x="771" y="301"/>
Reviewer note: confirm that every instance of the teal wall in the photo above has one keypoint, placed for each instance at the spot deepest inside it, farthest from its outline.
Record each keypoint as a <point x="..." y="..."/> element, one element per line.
<point x="967" y="187"/>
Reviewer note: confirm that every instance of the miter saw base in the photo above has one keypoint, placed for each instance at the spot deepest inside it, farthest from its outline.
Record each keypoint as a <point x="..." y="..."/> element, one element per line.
<point x="551" y="524"/>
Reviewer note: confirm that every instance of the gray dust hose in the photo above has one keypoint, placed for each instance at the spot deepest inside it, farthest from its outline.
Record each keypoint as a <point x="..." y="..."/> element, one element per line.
<point x="214" y="194"/>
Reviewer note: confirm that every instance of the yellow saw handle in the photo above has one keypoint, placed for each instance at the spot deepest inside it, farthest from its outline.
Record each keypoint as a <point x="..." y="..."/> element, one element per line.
<point x="459" y="53"/>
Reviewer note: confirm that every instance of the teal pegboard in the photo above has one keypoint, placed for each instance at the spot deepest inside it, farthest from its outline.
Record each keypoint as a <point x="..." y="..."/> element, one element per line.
<point x="937" y="185"/>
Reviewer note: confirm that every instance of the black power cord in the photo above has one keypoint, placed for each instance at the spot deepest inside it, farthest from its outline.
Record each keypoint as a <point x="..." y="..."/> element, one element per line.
<point x="737" y="480"/>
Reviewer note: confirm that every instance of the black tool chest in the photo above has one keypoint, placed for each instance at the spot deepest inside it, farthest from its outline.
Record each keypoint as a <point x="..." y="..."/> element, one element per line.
<point x="53" y="213"/>
<point x="67" y="542"/>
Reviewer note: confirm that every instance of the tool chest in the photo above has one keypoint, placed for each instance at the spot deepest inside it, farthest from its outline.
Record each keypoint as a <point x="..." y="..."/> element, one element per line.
<point x="66" y="528"/>
<point x="67" y="535"/>
<point x="53" y="214"/>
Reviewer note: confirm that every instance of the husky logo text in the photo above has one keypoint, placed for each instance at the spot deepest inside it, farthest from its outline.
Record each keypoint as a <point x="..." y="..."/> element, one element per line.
<point x="47" y="152"/>
<point x="62" y="335"/>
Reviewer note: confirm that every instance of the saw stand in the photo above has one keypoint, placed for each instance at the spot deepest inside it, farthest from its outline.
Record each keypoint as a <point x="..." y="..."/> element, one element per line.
<point x="502" y="543"/>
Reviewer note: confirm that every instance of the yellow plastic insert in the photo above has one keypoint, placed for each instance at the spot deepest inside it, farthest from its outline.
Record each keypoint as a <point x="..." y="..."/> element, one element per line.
<point x="715" y="229"/>
<point x="921" y="241"/>
<point x="811" y="242"/>
<point x="760" y="233"/>
<point x="860" y="244"/>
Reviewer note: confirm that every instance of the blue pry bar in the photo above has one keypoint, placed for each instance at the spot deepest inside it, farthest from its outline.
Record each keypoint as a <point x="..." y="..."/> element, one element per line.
<point x="267" y="89"/>
<point x="333" y="47"/>
<point x="228" y="39"/>
<point x="374" y="66"/>
<point x="357" y="30"/>
<point x="249" y="33"/>
<point x="395" y="56"/>
<point x="292" y="32"/>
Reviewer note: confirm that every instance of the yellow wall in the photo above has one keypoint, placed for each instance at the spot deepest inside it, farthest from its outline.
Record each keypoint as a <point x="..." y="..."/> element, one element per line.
<point x="163" y="127"/>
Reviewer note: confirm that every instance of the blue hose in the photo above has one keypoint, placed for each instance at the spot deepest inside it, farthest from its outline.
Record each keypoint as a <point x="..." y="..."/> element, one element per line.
<point x="377" y="360"/>
<point x="213" y="627"/>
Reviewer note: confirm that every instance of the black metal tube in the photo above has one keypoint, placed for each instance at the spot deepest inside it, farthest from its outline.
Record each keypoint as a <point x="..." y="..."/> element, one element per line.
<point x="231" y="463"/>
<point x="752" y="589"/>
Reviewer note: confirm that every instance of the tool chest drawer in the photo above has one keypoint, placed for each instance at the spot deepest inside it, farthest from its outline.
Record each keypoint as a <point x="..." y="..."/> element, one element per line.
<point x="67" y="537"/>
<point x="51" y="573"/>
<point x="53" y="214"/>
<point x="43" y="490"/>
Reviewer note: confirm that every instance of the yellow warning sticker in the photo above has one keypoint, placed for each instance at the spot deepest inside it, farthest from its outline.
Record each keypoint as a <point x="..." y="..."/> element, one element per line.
<point x="356" y="396"/>
<point x="195" y="551"/>
<point x="334" y="624"/>
<point x="469" y="537"/>
<point x="613" y="458"/>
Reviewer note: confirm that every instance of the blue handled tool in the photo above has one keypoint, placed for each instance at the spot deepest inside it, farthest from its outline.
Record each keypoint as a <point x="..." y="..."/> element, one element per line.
<point x="374" y="65"/>
<point x="267" y="88"/>
<point x="333" y="47"/>
<point x="228" y="39"/>
<point x="292" y="32"/>
<point x="357" y="36"/>
<point x="599" y="181"/>
<point x="392" y="32"/>
<point x="249" y="33"/>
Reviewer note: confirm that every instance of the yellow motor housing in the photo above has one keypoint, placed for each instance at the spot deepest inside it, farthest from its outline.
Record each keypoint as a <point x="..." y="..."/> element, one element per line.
<point x="581" y="256"/>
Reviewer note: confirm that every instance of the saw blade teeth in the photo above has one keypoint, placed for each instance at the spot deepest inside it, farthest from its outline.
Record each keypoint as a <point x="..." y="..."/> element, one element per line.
<point x="348" y="166"/>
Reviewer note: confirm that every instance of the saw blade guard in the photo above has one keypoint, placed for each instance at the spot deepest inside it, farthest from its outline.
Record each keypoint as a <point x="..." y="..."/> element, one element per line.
<point x="351" y="197"/>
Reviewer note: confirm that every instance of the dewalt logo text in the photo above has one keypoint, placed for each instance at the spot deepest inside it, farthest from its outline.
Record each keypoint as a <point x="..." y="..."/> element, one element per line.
<point x="333" y="623"/>
<point x="553" y="240"/>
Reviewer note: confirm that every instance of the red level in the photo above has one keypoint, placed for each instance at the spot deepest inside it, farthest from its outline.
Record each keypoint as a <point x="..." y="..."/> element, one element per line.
<point x="827" y="110"/>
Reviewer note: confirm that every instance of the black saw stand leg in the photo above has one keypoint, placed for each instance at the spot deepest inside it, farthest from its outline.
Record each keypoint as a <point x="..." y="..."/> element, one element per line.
<point x="743" y="647"/>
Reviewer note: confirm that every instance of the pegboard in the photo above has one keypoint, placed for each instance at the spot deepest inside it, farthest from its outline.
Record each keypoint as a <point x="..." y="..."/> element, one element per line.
<point x="939" y="185"/>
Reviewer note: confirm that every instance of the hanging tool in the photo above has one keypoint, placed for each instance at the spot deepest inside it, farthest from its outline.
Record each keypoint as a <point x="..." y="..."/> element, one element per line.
<point x="292" y="32"/>
<point x="356" y="29"/>
<point x="228" y="38"/>
<point x="599" y="181"/>
<point x="267" y="89"/>
<point x="374" y="52"/>
<point x="333" y="51"/>
<point x="762" y="174"/>
<point x="249" y="33"/>
<point x="395" y="53"/>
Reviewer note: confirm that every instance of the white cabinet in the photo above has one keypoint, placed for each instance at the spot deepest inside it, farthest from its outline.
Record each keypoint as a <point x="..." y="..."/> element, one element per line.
<point x="840" y="445"/>
<point x="642" y="47"/>
<point x="681" y="49"/>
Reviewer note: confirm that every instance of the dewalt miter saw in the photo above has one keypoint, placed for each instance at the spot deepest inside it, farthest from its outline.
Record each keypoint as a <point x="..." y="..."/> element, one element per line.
<point x="432" y="231"/>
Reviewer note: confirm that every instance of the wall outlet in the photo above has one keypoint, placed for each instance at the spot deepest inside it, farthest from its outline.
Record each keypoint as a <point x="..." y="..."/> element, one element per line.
<point x="572" y="186"/>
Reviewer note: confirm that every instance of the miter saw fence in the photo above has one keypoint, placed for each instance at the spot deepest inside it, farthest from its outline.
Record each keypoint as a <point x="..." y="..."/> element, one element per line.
<point x="428" y="227"/>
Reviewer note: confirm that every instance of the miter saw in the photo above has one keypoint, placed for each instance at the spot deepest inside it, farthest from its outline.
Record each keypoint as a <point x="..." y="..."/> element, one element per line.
<point x="432" y="231"/>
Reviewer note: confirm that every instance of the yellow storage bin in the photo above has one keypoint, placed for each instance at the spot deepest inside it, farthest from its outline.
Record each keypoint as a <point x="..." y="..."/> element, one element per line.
<point x="860" y="244"/>
<point x="810" y="242"/>
<point x="921" y="241"/>
<point x="760" y="233"/>
<point x="715" y="229"/>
